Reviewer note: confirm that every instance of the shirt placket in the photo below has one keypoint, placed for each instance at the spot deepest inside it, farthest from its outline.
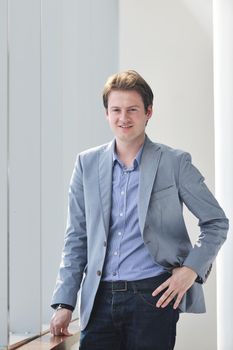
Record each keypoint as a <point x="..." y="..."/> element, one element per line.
<point x="122" y="210"/>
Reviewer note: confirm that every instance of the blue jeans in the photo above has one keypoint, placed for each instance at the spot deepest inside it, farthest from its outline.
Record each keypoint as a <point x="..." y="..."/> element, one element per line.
<point x="124" y="317"/>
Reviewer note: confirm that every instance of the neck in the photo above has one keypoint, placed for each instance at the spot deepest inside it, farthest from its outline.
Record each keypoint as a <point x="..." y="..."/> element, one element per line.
<point x="128" y="151"/>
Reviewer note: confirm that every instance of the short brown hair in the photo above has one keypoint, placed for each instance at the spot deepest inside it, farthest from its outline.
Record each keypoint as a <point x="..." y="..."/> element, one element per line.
<point x="128" y="80"/>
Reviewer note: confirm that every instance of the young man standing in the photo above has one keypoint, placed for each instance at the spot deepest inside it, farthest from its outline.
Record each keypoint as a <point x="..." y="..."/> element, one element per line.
<point x="126" y="245"/>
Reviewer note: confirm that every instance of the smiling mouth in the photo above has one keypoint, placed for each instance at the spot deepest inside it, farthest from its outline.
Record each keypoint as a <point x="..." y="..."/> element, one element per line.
<point x="125" y="126"/>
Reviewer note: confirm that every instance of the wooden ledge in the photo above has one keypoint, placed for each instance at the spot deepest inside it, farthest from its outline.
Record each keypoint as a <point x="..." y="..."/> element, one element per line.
<point x="47" y="341"/>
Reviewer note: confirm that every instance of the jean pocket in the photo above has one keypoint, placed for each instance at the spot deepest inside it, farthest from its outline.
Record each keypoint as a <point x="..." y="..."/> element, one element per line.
<point x="148" y="299"/>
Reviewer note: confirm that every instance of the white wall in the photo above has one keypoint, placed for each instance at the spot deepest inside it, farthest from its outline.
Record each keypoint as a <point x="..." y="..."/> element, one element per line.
<point x="170" y="44"/>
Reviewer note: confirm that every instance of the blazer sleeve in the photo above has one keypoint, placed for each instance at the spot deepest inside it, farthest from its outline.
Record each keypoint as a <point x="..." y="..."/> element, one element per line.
<point x="74" y="254"/>
<point x="212" y="219"/>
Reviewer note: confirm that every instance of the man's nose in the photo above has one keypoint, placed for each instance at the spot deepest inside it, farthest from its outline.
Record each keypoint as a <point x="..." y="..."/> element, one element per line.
<point x="124" y="116"/>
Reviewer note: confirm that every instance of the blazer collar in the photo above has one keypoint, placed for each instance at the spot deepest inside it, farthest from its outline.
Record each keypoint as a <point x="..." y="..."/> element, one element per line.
<point x="105" y="182"/>
<point x="148" y="168"/>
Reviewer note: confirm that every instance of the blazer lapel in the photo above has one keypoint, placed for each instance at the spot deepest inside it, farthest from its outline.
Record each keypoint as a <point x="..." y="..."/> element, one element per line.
<point x="148" y="169"/>
<point x="105" y="183"/>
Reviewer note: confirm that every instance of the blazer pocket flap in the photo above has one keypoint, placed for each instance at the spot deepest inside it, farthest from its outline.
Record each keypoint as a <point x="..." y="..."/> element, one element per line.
<point x="167" y="191"/>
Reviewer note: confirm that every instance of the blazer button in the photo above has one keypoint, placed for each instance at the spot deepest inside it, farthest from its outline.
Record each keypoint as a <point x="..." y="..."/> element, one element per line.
<point x="105" y="244"/>
<point x="98" y="273"/>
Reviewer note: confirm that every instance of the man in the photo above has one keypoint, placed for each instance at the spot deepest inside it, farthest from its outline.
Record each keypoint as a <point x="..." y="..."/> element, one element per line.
<point x="126" y="245"/>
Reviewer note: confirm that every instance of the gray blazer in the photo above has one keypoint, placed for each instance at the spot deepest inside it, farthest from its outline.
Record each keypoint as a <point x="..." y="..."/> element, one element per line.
<point x="167" y="180"/>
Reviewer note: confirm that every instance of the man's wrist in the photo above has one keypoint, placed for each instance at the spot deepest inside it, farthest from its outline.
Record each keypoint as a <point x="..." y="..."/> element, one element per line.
<point x="64" y="306"/>
<point x="198" y="279"/>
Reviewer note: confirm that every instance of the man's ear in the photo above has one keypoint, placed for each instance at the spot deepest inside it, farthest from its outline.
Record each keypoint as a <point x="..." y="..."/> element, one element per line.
<point x="149" y="112"/>
<point x="106" y="113"/>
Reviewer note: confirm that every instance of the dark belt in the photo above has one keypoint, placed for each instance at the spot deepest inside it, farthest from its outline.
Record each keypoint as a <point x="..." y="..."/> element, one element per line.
<point x="144" y="284"/>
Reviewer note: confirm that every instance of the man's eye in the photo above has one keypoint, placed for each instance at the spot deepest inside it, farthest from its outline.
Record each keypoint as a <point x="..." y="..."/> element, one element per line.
<point x="133" y="109"/>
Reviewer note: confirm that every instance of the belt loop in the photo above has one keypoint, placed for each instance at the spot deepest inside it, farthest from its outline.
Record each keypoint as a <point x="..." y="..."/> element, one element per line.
<point x="134" y="285"/>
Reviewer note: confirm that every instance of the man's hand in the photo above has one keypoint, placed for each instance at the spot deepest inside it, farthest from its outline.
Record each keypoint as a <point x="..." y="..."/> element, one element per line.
<point x="177" y="285"/>
<point x="60" y="322"/>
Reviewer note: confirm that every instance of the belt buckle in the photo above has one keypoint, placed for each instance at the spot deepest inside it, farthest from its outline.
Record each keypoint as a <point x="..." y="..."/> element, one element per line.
<point x="124" y="289"/>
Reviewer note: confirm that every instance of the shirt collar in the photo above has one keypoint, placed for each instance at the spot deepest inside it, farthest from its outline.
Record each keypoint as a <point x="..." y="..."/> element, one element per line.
<point x="137" y="159"/>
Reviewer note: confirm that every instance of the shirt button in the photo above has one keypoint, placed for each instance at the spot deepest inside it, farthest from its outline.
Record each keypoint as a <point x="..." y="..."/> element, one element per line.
<point x="121" y="214"/>
<point x="119" y="233"/>
<point x="115" y="253"/>
<point x="122" y="193"/>
<point x="98" y="273"/>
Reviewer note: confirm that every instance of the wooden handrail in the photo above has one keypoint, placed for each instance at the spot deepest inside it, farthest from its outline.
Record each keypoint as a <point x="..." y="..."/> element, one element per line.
<point x="47" y="341"/>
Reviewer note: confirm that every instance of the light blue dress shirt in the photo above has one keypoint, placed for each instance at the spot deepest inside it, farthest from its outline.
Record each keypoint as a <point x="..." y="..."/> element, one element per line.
<point x="127" y="257"/>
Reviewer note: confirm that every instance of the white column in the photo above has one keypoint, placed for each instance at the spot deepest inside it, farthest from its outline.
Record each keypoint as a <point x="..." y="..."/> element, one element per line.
<point x="25" y="170"/>
<point x="3" y="177"/>
<point x="223" y="88"/>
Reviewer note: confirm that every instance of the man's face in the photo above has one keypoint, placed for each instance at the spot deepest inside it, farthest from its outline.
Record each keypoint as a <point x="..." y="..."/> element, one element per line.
<point x="127" y="116"/>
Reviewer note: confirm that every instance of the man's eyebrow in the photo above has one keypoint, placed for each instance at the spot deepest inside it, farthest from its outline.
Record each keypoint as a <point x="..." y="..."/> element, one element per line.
<point x="133" y="106"/>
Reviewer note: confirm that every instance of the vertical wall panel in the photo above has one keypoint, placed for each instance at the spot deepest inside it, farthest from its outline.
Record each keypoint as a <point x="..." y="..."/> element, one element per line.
<point x="52" y="208"/>
<point x="104" y="61"/>
<point x="90" y="54"/>
<point x="79" y="51"/>
<point x="25" y="273"/>
<point x="3" y="177"/>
